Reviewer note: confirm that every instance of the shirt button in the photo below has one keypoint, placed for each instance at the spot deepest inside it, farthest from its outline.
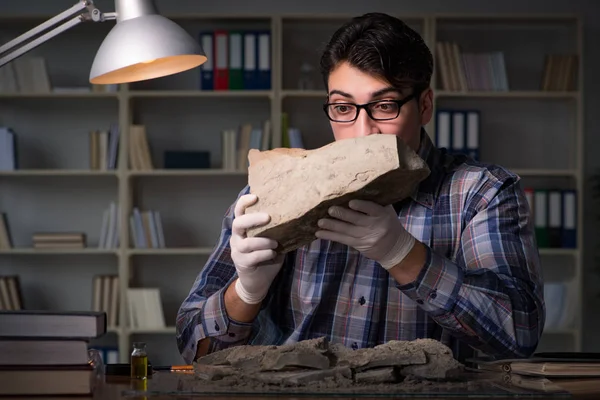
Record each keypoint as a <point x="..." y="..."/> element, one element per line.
<point x="354" y="345"/>
<point x="217" y="327"/>
<point x="433" y="294"/>
<point x="420" y="301"/>
<point x="231" y="334"/>
<point x="362" y="300"/>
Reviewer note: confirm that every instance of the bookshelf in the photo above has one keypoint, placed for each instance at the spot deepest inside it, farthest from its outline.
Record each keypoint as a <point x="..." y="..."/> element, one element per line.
<point x="55" y="189"/>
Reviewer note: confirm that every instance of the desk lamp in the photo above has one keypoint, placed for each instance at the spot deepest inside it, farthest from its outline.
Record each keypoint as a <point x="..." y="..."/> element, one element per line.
<point x="142" y="45"/>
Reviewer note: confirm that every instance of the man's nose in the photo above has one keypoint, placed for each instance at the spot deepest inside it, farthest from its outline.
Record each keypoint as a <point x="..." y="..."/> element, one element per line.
<point x="365" y="125"/>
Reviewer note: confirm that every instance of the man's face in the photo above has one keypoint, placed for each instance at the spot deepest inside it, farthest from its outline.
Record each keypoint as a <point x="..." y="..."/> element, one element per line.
<point x="348" y="84"/>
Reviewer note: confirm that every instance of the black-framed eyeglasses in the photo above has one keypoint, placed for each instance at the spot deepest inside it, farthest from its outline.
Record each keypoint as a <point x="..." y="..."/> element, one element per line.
<point x="378" y="110"/>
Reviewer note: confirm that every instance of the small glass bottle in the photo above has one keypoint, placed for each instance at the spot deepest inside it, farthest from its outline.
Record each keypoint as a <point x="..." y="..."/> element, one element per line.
<point x="139" y="361"/>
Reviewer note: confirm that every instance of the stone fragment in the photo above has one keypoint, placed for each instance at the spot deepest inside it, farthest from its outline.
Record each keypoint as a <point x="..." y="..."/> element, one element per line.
<point x="392" y="353"/>
<point x="303" y="377"/>
<point x="440" y="362"/>
<point x="278" y="361"/>
<point x="213" y="372"/>
<point x="296" y="186"/>
<point x="377" y="375"/>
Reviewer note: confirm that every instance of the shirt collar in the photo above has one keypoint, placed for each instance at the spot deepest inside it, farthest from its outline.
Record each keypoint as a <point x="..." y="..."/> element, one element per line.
<point x="426" y="192"/>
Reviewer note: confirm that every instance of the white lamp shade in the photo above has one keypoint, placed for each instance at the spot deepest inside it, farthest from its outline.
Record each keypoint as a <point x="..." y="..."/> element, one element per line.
<point x="146" y="47"/>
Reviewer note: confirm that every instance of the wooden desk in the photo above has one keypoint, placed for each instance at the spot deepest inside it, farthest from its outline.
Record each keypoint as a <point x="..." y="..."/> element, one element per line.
<point x="164" y="385"/>
<point x="169" y="382"/>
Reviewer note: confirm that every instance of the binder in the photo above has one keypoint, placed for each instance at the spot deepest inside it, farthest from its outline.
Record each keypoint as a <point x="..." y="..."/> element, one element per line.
<point x="541" y="218"/>
<point x="250" y="69"/>
<point x="569" y="222"/>
<point x="472" y="133"/>
<point x="221" y="60"/>
<point x="236" y="79"/>
<point x="264" y="60"/>
<point x="529" y="196"/>
<point x="458" y="132"/>
<point x="207" y="69"/>
<point x="554" y="218"/>
<point x="443" y="130"/>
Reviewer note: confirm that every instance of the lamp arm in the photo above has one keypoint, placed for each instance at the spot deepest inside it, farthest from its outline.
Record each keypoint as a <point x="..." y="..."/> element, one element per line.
<point x="11" y="48"/>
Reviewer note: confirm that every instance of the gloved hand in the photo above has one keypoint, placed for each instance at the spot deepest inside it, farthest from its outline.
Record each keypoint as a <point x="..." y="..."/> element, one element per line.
<point x="255" y="261"/>
<point x="373" y="230"/>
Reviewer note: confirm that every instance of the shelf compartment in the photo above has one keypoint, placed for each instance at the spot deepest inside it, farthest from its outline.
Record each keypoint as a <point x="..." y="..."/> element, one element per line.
<point x="200" y="93"/>
<point x="187" y="173"/>
<point x="58" y="173"/>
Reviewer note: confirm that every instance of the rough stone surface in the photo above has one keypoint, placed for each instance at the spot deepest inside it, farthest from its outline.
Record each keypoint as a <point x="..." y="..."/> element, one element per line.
<point x="317" y="364"/>
<point x="296" y="186"/>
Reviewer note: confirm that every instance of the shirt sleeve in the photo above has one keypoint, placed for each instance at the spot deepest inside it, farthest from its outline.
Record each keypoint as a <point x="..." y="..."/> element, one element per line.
<point x="492" y="296"/>
<point x="202" y="313"/>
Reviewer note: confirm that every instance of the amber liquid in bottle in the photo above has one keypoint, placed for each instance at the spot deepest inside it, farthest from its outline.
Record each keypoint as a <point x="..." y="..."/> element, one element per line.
<point x="139" y="367"/>
<point x="139" y="362"/>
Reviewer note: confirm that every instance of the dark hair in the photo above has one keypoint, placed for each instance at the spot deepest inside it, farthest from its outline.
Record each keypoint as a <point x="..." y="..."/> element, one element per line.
<point x="383" y="46"/>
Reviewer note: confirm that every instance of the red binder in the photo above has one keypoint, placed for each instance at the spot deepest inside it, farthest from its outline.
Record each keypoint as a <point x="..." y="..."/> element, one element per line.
<point x="221" y="49"/>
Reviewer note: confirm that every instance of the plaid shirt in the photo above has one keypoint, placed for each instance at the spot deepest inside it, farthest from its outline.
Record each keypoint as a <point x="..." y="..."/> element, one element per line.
<point x="480" y="288"/>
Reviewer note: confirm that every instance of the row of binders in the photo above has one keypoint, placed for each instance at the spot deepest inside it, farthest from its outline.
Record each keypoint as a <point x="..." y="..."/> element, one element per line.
<point x="458" y="131"/>
<point x="555" y="217"/>
<point x="237" y="60"/>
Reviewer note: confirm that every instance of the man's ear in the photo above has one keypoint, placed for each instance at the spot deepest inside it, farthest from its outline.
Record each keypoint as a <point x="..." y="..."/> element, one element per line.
<point x="426" y="106"/>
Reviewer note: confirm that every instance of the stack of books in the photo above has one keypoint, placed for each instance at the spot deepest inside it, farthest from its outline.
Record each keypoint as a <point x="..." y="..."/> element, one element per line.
<point x="59" y="240"/>
<point x="46" y="352"/>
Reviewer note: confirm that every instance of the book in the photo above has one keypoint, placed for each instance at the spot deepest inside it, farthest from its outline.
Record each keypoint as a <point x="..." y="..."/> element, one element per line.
<point x="21" y="352"/>
<point x="550" y="365"/>
<point x="52" y="324"/>
<point x="47" y="380"/>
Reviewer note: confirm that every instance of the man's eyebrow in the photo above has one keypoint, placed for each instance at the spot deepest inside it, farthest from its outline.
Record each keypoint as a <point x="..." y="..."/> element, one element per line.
<point x="386" y="90"/>
<point x="377" y="93"/>
<point x="336" y="91"/>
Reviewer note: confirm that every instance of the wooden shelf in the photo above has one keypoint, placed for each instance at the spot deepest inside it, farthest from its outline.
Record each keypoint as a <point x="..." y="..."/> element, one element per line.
<point x="561" y="331"/>
<point x="57" y="172"/>
<point x="559" y="252"/>
<point x="509" y="94"/>
<point x="569" y="173"/>
<point x="319" y="94"/>
<point x="34" y="251"/>
<point x="182" y="251"/>
<point x="186" y="172"/>
<point x="60" y="95"/>
<point x="198" y="93"/>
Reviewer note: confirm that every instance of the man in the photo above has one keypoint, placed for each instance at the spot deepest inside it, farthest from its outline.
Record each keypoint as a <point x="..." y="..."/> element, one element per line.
<point x="456" y="262"/>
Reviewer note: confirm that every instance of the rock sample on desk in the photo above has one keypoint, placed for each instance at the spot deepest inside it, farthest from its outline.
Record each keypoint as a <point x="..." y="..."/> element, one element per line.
<point x="316" y="364"/>
<point x="296" y="187"/>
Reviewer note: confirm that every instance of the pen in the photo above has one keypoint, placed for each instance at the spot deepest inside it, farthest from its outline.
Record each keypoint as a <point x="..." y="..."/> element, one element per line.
<point x="174" y="368"/>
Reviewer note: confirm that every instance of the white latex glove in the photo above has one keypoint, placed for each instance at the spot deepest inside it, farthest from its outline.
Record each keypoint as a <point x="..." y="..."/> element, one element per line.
<point x="373" y="230"/>
<point x="255" y="261"/>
